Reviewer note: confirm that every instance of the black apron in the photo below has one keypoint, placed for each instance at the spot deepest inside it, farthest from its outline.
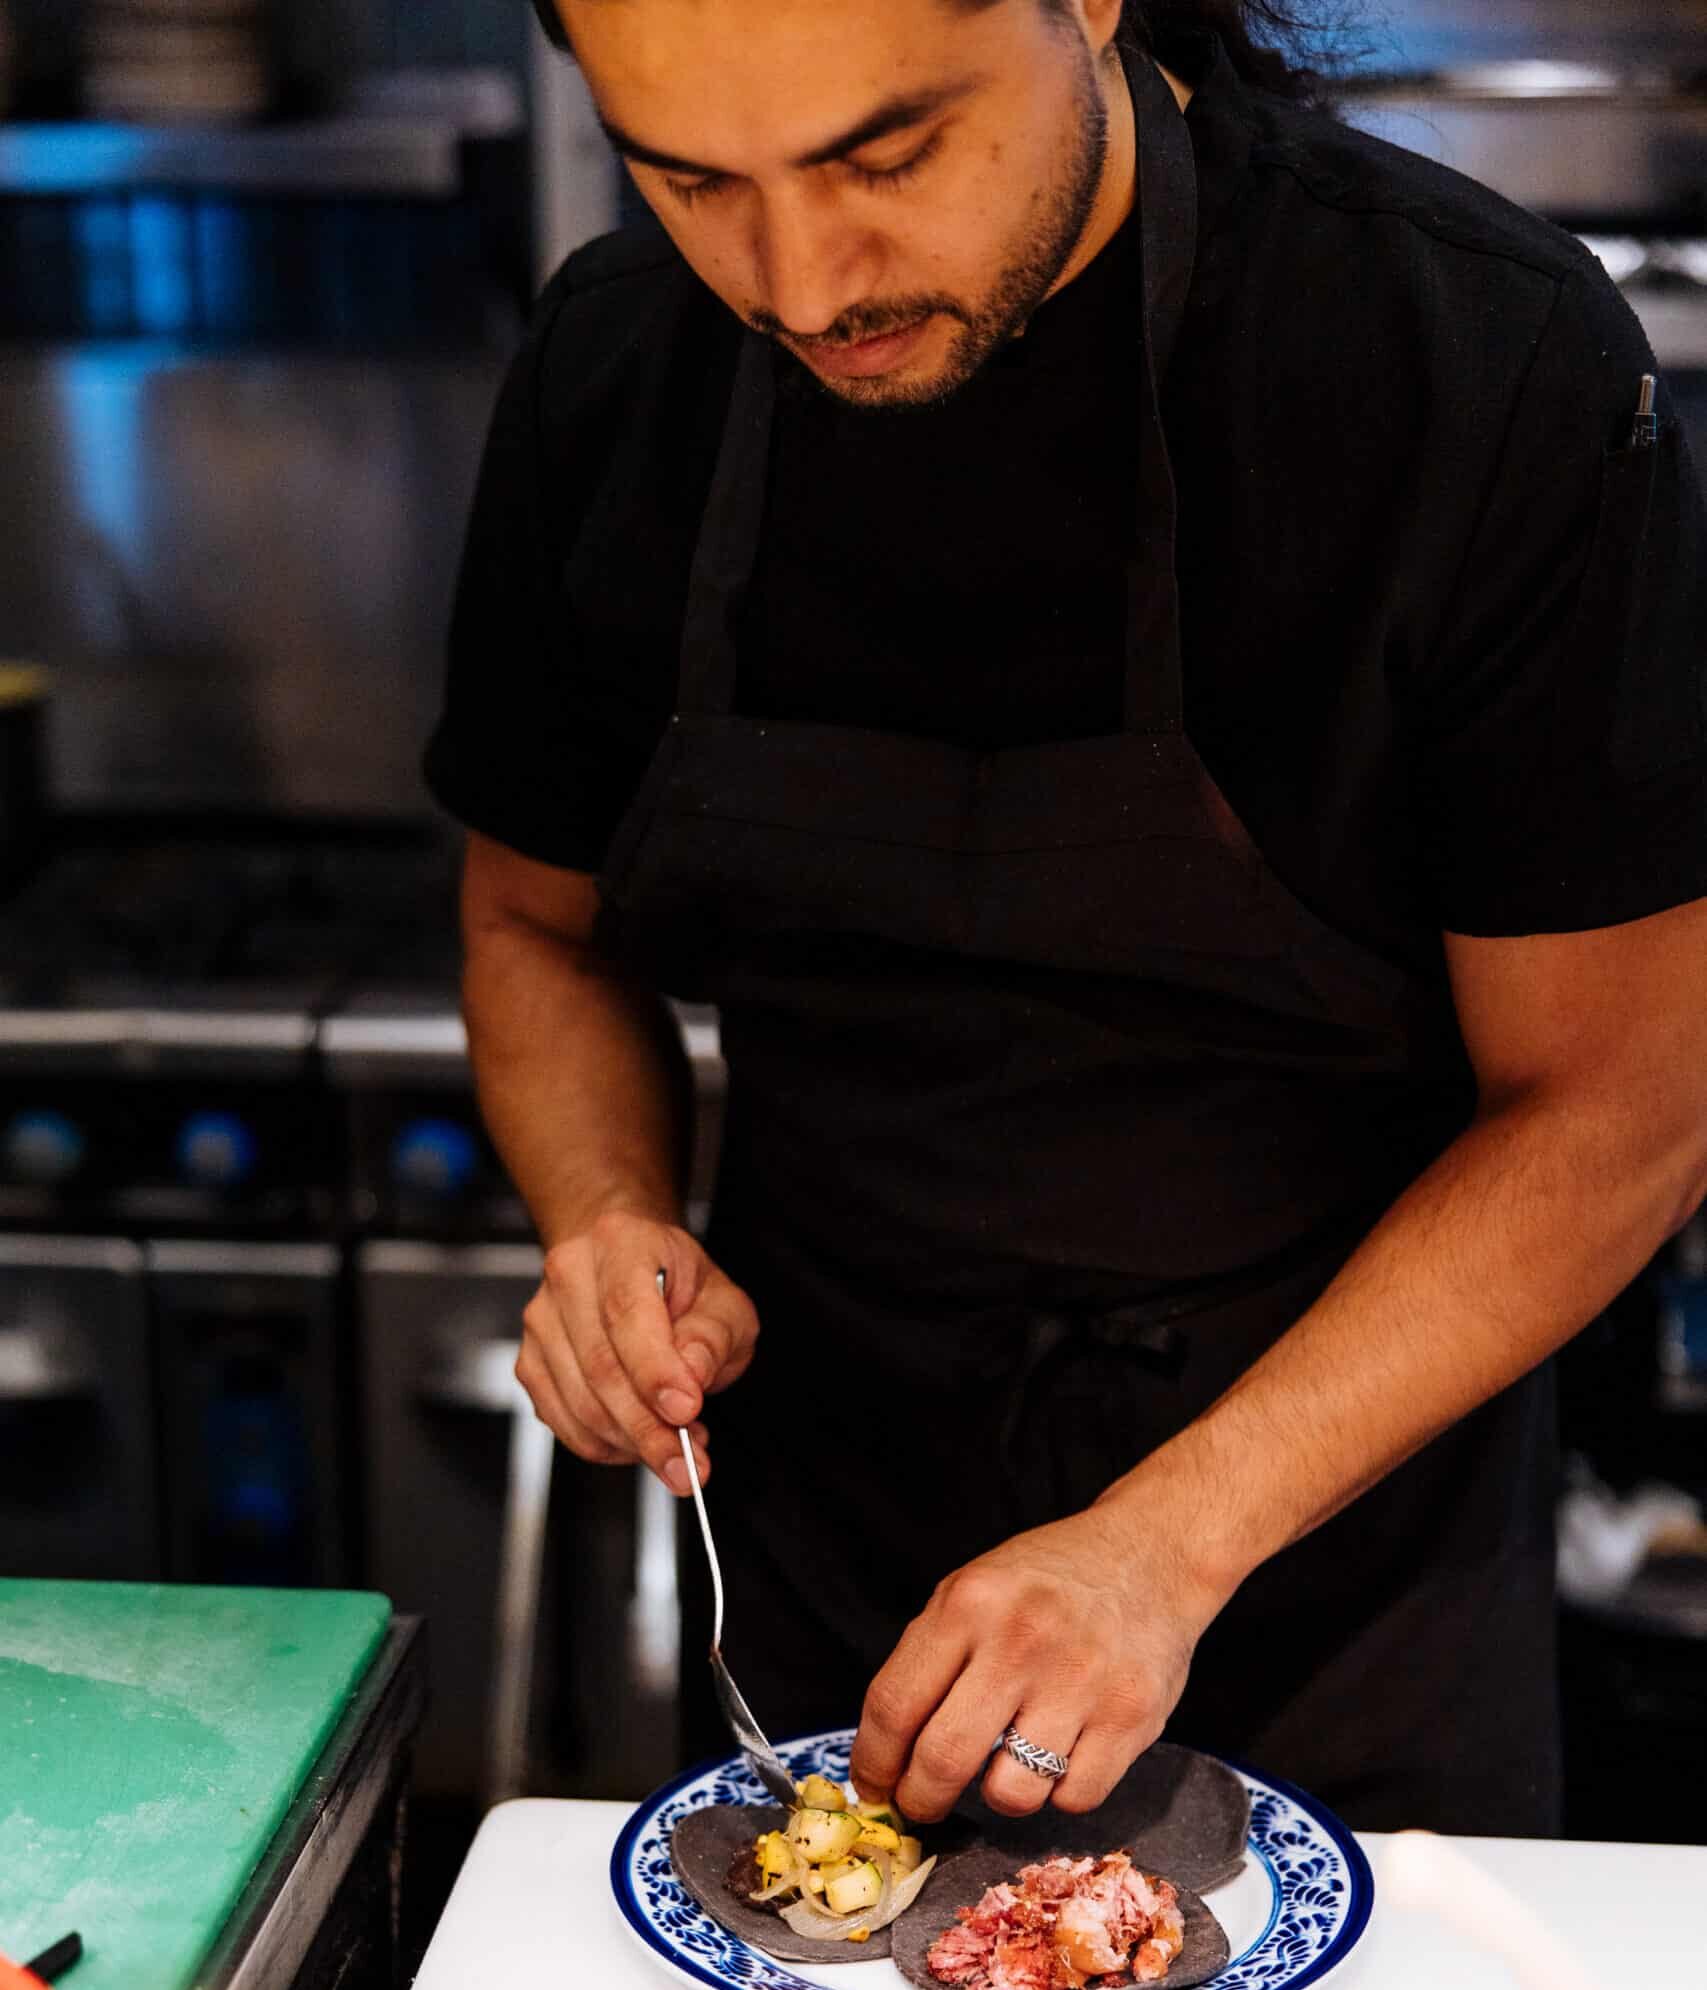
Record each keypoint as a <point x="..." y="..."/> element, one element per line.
<point x="1050" y="1109"/>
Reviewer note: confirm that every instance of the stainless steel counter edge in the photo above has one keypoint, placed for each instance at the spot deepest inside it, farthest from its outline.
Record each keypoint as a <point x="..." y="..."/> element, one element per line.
<point x="110" y="1254"/>
<point x="144" y="1038"/>
<point x="382" y="1045"/>
<point x="391" y="1258"/>
<point x="194" y="1259"/>
<point x="280" y="1910"/>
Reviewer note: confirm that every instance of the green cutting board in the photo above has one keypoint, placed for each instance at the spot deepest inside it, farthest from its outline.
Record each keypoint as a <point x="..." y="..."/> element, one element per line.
<point x="151" y="1739"/>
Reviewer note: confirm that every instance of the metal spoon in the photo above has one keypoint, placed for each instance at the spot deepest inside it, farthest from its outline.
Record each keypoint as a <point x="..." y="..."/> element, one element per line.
<point x="749" y="1736"/>
<point x="767" y="1765"/>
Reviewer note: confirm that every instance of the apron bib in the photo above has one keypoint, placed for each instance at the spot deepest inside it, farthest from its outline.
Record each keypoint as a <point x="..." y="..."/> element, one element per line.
<point x="1050" y="1108"/>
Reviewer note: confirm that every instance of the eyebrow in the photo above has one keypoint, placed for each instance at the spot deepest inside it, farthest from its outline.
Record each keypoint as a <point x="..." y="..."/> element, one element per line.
<point x="898" y="114"/>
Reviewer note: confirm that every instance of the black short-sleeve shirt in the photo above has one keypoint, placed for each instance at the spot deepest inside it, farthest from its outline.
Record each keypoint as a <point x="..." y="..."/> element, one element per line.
<point x="1444" y="621"/>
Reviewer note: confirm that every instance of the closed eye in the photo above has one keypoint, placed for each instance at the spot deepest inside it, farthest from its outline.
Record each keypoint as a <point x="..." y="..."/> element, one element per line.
<point x="882" y="178"/>
<point x="895" y="176"/>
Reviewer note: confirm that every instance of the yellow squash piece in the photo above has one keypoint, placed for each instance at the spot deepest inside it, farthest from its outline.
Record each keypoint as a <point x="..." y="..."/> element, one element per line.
<point x="823" y="1835"/>
<point x="847" y="1892"/>
<point x="908" y="1857"/>
<point x="879" y="1837"/>
<point x="772" y="1850"/>
<point x="819" y="1793"/>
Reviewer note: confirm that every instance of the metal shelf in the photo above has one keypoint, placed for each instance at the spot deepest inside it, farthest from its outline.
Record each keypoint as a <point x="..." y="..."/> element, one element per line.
<point x="399" y="135"/>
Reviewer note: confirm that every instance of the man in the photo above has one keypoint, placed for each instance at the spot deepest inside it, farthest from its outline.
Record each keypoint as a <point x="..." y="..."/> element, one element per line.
<point x="1147" y="664"/>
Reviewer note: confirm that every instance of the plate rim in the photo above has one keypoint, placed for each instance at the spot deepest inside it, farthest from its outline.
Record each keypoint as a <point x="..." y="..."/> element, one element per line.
<point x="1361" y="1877"/>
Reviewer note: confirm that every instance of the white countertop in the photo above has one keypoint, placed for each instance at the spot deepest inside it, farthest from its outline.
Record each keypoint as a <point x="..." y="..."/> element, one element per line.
<point x="532" y="1910"/>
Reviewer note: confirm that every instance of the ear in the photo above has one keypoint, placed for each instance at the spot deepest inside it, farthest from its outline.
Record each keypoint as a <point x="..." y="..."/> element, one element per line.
<point x="1102" y="21"/>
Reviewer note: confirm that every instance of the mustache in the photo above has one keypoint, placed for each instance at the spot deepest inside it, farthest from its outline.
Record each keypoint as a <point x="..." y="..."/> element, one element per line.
<point x="872" y="320"/>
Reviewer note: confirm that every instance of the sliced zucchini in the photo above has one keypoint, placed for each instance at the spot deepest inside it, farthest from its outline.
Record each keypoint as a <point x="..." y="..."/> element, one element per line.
<point x="848" y="1892"/>
<point x="819" y="1793"/>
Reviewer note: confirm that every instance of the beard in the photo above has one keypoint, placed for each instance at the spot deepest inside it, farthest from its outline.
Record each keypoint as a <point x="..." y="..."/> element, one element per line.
<point x="1031" y="271"/>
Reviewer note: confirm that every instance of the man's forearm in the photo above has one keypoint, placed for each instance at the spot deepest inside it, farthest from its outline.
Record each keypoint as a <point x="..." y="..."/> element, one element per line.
<point x="1520" y="1233"/>
<point x="582" y="1079"/>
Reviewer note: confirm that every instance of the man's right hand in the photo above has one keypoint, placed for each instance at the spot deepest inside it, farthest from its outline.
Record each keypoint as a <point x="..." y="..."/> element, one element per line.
<point x="613" y="1367"/>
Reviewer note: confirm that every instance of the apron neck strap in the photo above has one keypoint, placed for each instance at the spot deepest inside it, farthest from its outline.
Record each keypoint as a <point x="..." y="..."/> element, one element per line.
<point x="1166" y="194"/>
<point x="728" y="536"/>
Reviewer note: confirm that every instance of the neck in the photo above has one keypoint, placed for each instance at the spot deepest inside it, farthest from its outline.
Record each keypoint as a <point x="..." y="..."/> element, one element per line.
<point x="1119" y="185"/>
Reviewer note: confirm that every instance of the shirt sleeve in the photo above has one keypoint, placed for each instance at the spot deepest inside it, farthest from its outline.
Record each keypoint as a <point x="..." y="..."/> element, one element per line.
<point x="1562" y="769"/>
<point x="525" y="750"/>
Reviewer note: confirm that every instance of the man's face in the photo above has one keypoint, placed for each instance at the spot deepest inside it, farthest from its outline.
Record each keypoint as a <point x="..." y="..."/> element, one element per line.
<point x="888" y="187"/>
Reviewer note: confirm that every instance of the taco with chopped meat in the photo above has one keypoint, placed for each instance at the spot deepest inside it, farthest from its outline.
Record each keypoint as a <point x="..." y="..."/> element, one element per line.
<point x="766" y="1874"/>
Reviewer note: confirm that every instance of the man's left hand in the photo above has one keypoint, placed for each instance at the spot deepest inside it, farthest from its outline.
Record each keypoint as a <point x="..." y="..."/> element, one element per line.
<point x="1079" y="1634"/>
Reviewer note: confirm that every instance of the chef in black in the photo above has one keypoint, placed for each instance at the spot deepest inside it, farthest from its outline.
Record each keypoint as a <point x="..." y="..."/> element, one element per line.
<point x="1138" y="646"/>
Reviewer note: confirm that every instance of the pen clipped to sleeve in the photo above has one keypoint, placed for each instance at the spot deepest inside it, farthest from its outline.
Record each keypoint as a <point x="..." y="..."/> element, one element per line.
<point x="1647" y="429"/>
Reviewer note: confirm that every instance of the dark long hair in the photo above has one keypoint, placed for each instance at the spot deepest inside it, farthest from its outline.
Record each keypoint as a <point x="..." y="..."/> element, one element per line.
<point x="1287" y="50"/>
<point x="1295" y="51"/>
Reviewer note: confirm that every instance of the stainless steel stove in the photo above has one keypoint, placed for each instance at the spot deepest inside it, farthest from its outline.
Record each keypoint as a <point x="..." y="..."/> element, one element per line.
<point x="258" y="1255"/>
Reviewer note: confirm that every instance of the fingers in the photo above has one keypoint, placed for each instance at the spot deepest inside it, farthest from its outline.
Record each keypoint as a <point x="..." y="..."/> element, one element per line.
<point x="632" y="1318"/>
<point x="670" y="1349"/>
<point x="713" y="1329"/>
<point x="1015" y="1790"/>
<point x="1106" y="1748"/>
<point x="551" y="1409"/>
<point x="586" y="1361"/>
<point x="955" y="1743"/>
<point x="901" y="1701"/>
<point x="547" y="1368"/>
<point x="1026" y="1636"/>
<point x="618" y="1369"/>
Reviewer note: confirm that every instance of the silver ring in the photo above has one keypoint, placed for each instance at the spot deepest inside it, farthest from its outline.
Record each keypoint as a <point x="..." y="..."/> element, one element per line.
<point x="1044" y="1760"/>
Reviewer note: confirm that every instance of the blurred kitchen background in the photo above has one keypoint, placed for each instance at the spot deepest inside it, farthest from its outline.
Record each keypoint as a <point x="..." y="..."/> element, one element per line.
<point x="261" y="262"/>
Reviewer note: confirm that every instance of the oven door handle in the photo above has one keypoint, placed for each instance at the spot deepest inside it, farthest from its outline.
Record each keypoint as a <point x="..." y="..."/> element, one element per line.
<point x="481" y="1375"/>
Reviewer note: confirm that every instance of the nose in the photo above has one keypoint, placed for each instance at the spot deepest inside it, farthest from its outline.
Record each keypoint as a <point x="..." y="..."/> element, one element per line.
<point x="812" y="264"/>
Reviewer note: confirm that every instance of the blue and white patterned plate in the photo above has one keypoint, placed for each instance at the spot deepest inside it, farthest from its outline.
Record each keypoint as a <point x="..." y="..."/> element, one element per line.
<point x="1292" y="1915"/>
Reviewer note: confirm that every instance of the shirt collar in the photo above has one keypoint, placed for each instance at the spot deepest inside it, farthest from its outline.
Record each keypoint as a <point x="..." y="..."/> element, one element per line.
<point x="1221" y="121"/>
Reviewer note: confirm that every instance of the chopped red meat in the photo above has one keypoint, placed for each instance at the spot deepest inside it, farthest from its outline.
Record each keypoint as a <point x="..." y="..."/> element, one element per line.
<point x="958" y="1955"/>
<point x="1062" y="1925"/>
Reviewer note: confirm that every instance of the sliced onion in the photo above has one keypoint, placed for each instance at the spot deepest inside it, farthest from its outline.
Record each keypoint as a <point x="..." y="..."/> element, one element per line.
<point x="907" y="1890"/>
<point x="808" y="1916"/>
<point x="795" y="1875"/>
<point x="885" y="1872"/>
<point x="818" y="1924"/>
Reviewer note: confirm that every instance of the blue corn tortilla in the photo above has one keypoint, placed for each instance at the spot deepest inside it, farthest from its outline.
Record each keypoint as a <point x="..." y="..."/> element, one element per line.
<point x="964" y="1880"/>
<point x="712" y="1853"/>
<point x="1175" y="1812"/>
